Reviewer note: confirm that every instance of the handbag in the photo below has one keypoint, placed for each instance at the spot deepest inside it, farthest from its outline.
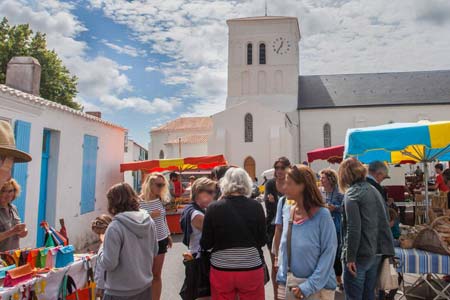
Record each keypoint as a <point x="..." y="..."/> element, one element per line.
<point x="292" y="281"/>
<point x="65" y="256"/>
<point x="68" y="289"/>
<point x="388" y="276"/>
<point x="18" y="275"/>
<point x="196" y="283"/>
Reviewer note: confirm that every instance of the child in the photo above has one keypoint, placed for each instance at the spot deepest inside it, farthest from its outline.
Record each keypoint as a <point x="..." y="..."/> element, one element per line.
<point x="99" y="226"/>
<point x="129" y="247"/>
<point x="394" y="223"/>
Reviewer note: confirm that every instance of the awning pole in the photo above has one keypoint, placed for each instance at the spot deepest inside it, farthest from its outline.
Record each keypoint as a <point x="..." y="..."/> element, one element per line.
<point x="425" y="167"/>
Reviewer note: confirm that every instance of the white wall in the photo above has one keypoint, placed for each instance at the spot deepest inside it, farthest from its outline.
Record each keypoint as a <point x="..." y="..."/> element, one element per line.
<point x="65" y="170"/>
<point x="341" y="119"/>
<point x="159" y="141"/>
<point x="272" y="137"/>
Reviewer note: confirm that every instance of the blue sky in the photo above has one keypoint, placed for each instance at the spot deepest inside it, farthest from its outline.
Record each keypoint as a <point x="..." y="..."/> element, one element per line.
<point x="144" y="62"/>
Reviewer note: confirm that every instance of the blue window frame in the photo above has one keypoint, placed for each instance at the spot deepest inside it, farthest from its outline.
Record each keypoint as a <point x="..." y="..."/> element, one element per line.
<point x="88" y="180"/>
<point x="22" y="132"/>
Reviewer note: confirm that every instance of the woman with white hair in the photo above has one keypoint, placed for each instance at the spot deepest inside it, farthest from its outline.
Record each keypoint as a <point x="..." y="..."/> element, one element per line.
<point x="234" y="229"/>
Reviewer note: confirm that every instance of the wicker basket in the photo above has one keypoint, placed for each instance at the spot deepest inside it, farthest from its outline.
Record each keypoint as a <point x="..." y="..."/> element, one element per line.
<point x="432" y="240"/>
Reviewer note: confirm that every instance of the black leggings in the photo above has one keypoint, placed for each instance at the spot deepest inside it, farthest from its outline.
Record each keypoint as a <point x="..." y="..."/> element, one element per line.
<point x="338" y="264"/>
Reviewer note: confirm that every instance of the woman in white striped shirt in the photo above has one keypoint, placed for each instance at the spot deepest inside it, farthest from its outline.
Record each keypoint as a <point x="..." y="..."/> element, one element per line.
<point x="155" y="191"/>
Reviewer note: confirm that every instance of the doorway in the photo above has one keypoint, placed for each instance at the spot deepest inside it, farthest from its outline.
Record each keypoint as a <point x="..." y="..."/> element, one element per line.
<point x="250" y="167"/>
<point x="42" y="208"/>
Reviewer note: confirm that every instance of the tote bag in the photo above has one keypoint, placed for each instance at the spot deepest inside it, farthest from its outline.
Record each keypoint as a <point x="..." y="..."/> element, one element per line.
<point x="196" y="283"/>
<point x="388" y="276"/>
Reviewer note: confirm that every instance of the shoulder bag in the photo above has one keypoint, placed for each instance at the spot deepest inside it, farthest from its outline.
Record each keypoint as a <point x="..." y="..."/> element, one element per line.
<point x="294" y="282"/>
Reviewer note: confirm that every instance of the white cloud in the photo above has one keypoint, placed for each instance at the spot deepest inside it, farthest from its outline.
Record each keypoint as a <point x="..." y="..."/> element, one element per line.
<point x="99" y="78"/>
<point x="151" y="69"/>
<point x="126" y="49"/>
<point x="338" y="36"/>
<point x="138" y="104"/>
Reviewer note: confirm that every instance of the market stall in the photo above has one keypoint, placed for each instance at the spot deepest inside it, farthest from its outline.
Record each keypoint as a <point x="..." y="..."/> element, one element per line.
<point x="425" y="249"/>
<point x="396" y="143"/>
<point x="43" y="281"/>
<point x="180" y="165"/>
<point x="333" y="154"/>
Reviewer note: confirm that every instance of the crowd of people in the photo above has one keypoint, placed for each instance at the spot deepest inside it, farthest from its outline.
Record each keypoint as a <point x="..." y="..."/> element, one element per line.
<point x="319" y="238"/>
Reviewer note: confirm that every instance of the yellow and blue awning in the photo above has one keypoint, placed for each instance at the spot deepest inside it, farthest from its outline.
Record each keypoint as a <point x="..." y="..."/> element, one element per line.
<point x="400" y="142"/>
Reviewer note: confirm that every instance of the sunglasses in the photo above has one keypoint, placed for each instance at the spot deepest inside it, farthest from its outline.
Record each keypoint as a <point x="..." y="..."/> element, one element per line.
<point x="280" y="167"/>
<point x="8" y="191"/>
<point x="160" y="185"/>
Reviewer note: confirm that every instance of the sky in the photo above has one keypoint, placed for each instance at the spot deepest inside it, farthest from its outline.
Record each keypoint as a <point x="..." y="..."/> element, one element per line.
<point x="145" y="62"/>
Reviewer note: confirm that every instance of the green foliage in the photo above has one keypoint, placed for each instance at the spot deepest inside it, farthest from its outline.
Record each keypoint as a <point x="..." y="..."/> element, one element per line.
<point x="57" y="84"/>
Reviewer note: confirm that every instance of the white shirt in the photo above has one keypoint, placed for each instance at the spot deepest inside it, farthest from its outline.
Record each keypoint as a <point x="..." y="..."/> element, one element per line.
<point x="196" y="235"/>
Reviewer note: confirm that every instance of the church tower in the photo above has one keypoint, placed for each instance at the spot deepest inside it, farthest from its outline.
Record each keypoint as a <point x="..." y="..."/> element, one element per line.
<point x="263" y="62"/>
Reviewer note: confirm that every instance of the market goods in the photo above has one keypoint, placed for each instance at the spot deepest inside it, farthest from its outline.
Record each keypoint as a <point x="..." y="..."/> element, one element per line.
<point x="436" y="237"/>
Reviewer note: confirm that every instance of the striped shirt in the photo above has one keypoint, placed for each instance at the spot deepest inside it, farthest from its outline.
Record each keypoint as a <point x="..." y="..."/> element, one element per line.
<point x="162" y="229"/>
<point x="236" y="259"/>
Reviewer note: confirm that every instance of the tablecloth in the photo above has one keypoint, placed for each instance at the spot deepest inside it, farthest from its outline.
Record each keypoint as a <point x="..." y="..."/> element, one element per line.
<point x="422" y="262"/>
<point x="47" y="286"/>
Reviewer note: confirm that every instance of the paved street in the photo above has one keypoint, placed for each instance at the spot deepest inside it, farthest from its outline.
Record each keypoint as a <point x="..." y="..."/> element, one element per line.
<point x="173" y="273"/>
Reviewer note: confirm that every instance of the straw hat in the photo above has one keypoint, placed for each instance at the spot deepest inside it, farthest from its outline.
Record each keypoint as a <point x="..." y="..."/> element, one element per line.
<point x="8" y="144"/>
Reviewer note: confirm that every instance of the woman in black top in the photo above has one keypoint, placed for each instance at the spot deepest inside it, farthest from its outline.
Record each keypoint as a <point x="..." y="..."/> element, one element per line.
<point x="234" y="229"/>
<point x="273" y="192"/>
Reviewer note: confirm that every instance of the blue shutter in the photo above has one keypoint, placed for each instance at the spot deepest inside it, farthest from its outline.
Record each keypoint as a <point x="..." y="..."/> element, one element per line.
<point x="22" y="131"/>
<point x="88" y="180"/>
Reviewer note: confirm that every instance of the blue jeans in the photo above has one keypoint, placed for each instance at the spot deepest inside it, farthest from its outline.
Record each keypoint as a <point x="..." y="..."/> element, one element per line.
<point x="362" y="287"/>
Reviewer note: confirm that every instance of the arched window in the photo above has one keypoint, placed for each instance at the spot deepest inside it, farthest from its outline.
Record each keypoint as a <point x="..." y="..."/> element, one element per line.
<point x="248" y="128"/>
<point x="327" y="135"/>
<point x="249" y="53"/>
<point x="262" y="54"/>
<point x="161" y="154"/>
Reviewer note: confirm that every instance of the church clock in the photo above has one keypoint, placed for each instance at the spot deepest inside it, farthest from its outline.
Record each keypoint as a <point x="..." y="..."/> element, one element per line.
<point x="281" y="46"/>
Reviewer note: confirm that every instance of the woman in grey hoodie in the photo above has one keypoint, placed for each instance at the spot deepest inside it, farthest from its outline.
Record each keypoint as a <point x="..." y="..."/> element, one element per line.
<point x="129" y="247"/>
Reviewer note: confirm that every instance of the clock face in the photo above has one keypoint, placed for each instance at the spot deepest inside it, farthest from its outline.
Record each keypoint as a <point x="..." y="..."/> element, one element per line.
<point x="281" y="46"/>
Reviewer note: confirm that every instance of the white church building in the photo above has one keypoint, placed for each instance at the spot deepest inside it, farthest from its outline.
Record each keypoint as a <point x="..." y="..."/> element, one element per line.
<point x="272" y="110"/>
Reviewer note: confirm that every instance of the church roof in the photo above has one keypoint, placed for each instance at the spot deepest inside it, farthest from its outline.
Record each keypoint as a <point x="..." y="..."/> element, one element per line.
<point x="191" y="139"/>
<point x="374" y="89"/>
<point x="186" y="123"/>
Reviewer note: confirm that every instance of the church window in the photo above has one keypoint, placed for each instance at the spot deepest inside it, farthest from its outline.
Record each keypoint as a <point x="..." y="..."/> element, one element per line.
<point x="249" y="53"/>
<point x="161" y="154"/>
<point x="248" y="128"/>
<point x="262" y="54"/>
<point x="327" y="135"/>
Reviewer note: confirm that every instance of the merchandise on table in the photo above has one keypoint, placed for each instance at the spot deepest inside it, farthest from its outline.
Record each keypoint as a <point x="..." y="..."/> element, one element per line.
<point x="436" y="237"/>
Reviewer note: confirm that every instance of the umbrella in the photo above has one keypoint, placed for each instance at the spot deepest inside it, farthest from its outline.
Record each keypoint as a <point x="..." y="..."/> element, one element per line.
<point x="176" y="164"/>
<point x="399" y="142"/>
<point x="333" y="155"/>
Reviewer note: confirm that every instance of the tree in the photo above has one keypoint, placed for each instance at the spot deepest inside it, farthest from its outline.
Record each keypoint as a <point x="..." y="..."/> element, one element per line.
<point x="57" y="84"/>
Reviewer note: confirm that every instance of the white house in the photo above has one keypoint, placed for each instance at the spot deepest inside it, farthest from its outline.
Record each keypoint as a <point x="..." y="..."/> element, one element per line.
<point x="272" y="110"/>
<point x="134" y="152"/>
<point x="182" y="137"/>
<point x="76" y="157"/>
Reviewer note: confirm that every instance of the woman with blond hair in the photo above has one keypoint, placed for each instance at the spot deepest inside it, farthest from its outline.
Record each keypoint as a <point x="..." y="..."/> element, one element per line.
<point x="11" y="227"/>
<point x="308" y="243"/>
<point x="155" y="192"/>
<point x="366" y="231"/>
<point x="333" y="201"/>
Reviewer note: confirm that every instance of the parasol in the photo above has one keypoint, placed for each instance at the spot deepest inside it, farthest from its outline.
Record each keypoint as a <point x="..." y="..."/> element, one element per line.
<point x="399" y="142"/>
<point x="333" y="155"/>
<point x="176" y="164"/>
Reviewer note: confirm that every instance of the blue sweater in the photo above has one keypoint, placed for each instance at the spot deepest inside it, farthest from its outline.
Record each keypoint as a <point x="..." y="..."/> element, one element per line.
<point x="314" y="245"/>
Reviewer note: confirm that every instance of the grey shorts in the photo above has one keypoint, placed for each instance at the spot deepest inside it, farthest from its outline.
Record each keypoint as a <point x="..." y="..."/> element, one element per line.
<point x="145" y="295"/>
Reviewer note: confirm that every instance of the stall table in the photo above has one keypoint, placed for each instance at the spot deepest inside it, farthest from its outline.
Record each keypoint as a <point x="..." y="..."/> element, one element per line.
<point x="47" y="285"/>
<point x="428" y="265"/>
